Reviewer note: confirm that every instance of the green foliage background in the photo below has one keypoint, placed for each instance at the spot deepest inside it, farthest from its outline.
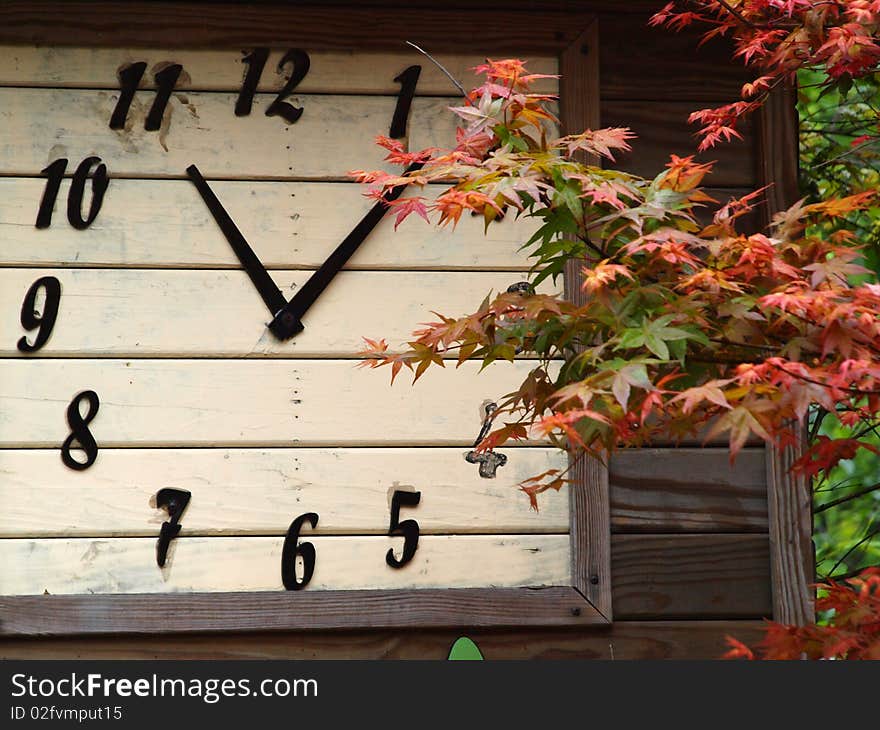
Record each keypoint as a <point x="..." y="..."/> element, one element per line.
<point x="840" y="155"/>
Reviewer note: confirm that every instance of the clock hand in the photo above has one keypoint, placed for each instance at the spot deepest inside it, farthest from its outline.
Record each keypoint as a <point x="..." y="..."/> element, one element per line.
<point x="288" y="322"/>
<point x="270" y="293"/>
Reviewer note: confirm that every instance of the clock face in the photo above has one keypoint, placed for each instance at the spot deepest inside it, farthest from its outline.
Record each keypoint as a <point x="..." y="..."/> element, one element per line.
<point x="186" y="273"/>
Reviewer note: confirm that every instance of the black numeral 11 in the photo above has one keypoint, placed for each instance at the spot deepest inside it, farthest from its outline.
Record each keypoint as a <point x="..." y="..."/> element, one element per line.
<point x="129" y="79"/>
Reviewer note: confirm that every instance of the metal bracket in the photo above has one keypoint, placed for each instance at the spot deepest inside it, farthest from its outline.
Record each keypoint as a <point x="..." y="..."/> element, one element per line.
<point x="489" y="461"/>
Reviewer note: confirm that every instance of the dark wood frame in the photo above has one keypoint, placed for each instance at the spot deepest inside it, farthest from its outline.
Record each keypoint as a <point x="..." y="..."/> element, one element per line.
<point x="573" y="37"/>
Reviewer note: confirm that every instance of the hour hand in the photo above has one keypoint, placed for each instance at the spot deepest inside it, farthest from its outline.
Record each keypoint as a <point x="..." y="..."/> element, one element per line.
<point x="283" y="325"/>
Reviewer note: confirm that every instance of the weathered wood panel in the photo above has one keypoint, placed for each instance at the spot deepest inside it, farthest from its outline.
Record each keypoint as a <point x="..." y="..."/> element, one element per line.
<point x="223" y="70"/>
<point x="639" y="62"/>
<point x="175" y="403"/>
<point x="691" y="576"/>
<point x="165" y="223"/>
<point x="259" y="492"/>
<point x="123" y="313"/>
<point x="623" y="640"/>
<point x="663" y="129"/>
<point x="69" y="566"/>
<point x="334" y="135"/>
<point x="688" y="490"/>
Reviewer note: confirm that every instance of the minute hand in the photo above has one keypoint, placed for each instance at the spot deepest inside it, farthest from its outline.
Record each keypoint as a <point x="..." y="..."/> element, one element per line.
<point x="267" y="289"/>
<point x="288" y="322"/>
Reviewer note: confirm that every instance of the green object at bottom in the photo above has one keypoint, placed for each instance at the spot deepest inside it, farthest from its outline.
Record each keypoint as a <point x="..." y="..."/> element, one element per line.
<point x="464" y="649"/>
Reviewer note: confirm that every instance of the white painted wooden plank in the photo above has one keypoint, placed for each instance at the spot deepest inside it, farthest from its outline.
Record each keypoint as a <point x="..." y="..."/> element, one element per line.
<point x="289" y="225"/>
<point x="196" y="564"/>
<point x="334" y="135"/>
<point x="163" y="313"/>
<point x="259" y="491"/>
<point x="223" y="70"/>
<point x="247" y="402"/>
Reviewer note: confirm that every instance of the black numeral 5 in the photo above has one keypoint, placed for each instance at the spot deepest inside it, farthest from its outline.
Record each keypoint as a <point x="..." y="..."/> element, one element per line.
<point x="292" y="548"/>
<point x="30" y="320"/>
<point x="408" y="529"/>
<point x="256" y="61"/>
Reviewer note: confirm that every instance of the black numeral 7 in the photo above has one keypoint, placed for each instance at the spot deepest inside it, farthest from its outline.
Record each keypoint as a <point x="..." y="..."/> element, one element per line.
<point x="129" y="79"/>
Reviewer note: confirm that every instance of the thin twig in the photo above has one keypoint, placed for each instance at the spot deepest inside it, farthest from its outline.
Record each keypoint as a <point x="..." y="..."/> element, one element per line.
<point x="736" y="13"/>
<point x="847" y="498"/>
<point x="440" y="66"/>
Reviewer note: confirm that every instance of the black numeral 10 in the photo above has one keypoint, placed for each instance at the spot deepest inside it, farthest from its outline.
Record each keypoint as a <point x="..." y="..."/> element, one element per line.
<point x="256" y="61"/>
<point x="129" y="79"/>
<point x="55" y="174"/>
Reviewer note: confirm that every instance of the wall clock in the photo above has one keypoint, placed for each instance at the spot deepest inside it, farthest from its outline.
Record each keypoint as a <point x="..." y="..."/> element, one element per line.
<point x="185" y="276"/>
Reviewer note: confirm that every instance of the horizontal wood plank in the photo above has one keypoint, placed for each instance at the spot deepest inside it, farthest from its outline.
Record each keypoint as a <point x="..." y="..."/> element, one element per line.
<point x="691" y="576"/>
<point x="622" y="640"/>
<point x="259" y="492"/>
<point x="122" y="313"/>
<point x="688" y="490"/>
<point x="334" y="135"/>
<point x="70" y="566"/>
<point x="339" y="72"/>
<point x="663" y="129"/>
<point x="165" y="223"/>
<point x="247" y="402"/>
<point x="287" y="611"/>
<point x="214" y="25"/>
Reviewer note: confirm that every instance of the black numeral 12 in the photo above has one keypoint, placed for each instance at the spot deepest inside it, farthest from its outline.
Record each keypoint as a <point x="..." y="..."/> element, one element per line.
<point x="129" y="79"/>
<point x="256" y="62"/>
<point x="55" y="174"/>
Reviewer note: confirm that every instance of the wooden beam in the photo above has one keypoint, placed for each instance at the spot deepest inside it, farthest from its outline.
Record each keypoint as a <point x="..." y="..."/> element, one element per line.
<point x="790" y="496"/>
<point x="294" y="610"/>
<point x="589" y="505"/>
<point x="622" y="640"/>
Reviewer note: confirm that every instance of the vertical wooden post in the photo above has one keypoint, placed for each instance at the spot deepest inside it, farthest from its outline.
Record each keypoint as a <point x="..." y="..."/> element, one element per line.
<point x="590" y="506"/>
<point x="790" y="497"/>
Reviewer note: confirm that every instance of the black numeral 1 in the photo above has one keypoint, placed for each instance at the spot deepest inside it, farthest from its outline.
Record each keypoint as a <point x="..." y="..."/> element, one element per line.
<point x="407" y="80"/>
<point x="129" y="79"/>
<point x="175" y="501"/>
<point x="292" y="548"/>
<point x="408" y="529"/>
<point x="256" y="62"/>
<point x="55" y="174"/>
<point x="30" y="320"/>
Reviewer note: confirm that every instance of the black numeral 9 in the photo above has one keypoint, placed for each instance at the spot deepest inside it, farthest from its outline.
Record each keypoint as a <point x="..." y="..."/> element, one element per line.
<point x="55" y="174"/>
<point x="44" y="323"/>
<point x="292" y="548"/>
<point x="408" y="529"/>
<point x="256" y="62"/>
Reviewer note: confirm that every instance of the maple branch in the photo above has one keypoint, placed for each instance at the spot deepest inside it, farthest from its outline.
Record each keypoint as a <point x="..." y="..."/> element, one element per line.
<point x="736" y="13"/>
<point x="847" y="498"/>
<point x="441" y="67"/>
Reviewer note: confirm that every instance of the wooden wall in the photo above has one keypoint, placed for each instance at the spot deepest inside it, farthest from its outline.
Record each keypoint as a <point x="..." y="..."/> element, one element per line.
<point x="691" y="549"/>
